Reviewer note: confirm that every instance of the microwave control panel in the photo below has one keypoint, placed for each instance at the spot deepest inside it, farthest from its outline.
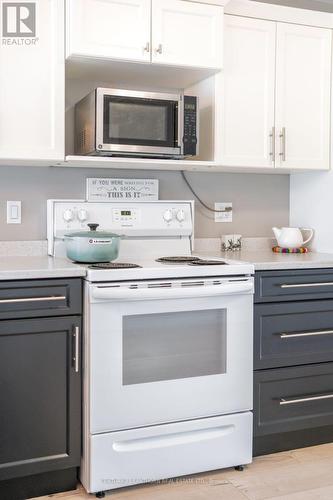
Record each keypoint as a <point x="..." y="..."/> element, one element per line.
<point x="190" y="125"/>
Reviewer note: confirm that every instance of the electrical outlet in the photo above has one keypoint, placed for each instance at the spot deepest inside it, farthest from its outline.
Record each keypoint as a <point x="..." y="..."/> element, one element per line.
<point x="226" y="212"/>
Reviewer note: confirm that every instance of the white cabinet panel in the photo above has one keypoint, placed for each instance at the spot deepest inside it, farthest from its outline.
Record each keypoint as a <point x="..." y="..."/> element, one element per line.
<point x="114" y="29"/>
<point x="32" y="86"/>
<point x="247" y="105"/>
<point x="187" y="34"/>
<point x="303" y="97"/>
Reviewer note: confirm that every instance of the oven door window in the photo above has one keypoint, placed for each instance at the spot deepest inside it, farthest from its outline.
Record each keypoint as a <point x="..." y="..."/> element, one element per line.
<point x="172" y="346"/>
<point x="140" y="122"/>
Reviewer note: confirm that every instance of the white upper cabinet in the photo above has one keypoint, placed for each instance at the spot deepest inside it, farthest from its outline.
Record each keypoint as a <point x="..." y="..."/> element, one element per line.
<point x="303" y="97"/>
<point x="187" y="34"/>
<point x="115" y="29"/>
<point x="245" y="131"/>
<point x="275" y="96"/>
<point x="172" y="32"/>
<point x="32" y="82"/>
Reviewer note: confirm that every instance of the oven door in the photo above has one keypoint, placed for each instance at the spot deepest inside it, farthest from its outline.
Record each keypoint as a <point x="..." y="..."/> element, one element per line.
<point x="138" y="123"/>
<point x="163" y="352"/>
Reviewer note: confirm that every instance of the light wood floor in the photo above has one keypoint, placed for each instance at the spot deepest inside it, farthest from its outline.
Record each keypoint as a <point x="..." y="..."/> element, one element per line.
<point x="305" y="474"/>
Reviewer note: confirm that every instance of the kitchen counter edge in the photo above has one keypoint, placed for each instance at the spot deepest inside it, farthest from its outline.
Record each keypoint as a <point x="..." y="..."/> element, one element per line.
<point x="268" y="261"/>
<point x="25" y="268"/>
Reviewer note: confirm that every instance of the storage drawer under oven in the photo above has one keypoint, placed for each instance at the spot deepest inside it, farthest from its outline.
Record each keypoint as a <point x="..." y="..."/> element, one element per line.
<point x="291" y="399"/>
<point x="293" y="333"/>
<point x="309" y="284"/>
<point x="134" y="456"/>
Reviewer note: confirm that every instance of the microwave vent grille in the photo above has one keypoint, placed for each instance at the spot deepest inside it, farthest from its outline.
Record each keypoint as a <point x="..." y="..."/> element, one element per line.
<point x="81" y="139"/>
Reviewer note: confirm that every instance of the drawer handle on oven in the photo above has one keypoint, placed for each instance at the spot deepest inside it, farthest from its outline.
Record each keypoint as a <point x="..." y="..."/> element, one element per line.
<point x="305" y="334"/>
<point x="175" y="439"/>
<point x="113" y="293"/>
<point x="306" y="285"/>
<point x="286" y="401"/>
<point x="32" y="299"/>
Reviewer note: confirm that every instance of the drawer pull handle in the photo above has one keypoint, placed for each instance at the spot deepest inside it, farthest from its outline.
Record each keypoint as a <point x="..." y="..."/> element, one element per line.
<point x="306" y="285"/>
<point x="286" y="401"/>
<point x="32" y="299"/>
<point x="305" y="334"/>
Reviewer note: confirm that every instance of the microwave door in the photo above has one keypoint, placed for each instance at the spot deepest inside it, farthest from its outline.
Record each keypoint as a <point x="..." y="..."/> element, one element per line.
<point x="139" y="126"/>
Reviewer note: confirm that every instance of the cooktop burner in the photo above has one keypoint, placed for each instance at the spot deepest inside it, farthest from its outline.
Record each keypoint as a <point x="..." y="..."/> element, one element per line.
<point x="113" y="265"/>
<point x="202" y="262"/>
<point x="178" y="260"/>
<point x="191" y="261"/>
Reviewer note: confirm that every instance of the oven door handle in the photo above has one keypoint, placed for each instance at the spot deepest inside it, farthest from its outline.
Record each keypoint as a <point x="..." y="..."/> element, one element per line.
<point x="120" y="293"/>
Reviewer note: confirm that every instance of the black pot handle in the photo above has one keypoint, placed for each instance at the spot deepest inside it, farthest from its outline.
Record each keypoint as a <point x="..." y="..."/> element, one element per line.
<point x="93" y="227"/>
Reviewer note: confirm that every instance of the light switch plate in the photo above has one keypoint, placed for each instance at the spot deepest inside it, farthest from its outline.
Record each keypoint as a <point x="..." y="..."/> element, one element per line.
<point x="13" y="212"/>
<point x="226" y="214"/>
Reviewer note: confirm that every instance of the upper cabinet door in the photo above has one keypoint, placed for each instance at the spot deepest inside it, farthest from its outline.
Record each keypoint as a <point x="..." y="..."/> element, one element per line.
<point x="32" y="61"/>
<point x="187" y="34"/>
<point x="245" y="129"/>
<point x="303" y="97"/>
<point x="111" y="29"/>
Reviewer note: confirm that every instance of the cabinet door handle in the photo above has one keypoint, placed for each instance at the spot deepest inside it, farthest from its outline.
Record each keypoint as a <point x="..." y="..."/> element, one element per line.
<point x="305" y="334"/>
<point x="292" y="401"/>
<point x="32" y="299"/>
<point x="76" y="355"/>
<point x="307" y="285"/>
<point x="272" y="138"/>
<point x="146" y="48"/>
<point x="159" y="49"/>
<point x="283" y="144"/>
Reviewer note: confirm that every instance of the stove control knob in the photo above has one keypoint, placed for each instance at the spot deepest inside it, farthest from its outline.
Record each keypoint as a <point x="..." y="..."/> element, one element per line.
<point x="82" y="215"/>
<point x="168" y="216"/>
<point x="68" y="215"/>
<point x="180" y="215"/>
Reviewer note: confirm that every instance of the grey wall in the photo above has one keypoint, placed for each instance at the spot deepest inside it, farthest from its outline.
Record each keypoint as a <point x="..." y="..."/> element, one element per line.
<point x="259" y="201"/>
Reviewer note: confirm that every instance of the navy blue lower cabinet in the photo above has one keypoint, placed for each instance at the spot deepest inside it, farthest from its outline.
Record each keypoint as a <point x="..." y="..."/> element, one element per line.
<point x="291" y="285"/>
<point x="40" y="404"/>
<point x="293" y="407"/>
<point x="293" y="333"/>
<point x="293" y="360"/>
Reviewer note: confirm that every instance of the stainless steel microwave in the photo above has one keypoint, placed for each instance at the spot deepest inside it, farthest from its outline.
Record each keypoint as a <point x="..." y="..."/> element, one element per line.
<point x="113" y="122"/>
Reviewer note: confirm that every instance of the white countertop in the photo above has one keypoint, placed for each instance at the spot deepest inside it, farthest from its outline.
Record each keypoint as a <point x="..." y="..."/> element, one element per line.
<point x="21" y="268"/>
<point x="265" y="260"/>
<point x="41" y="267"/>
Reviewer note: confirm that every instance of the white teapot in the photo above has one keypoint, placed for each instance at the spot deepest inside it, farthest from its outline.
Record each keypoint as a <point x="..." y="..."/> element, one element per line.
<point x="291" y="237"/>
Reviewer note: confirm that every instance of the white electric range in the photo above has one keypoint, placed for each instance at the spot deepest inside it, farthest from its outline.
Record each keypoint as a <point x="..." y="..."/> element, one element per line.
<point x="167" y="348"/>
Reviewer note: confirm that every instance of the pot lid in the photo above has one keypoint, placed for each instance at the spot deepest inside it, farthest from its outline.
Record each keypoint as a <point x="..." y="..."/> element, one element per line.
<point x="92" y="233"/>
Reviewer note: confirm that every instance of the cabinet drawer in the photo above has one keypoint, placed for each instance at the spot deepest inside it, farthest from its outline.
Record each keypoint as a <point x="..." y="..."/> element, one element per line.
<point x="155" y="452"/>
<point x="289" y="285"/>
<point x="37" y="298"/>
<point x="290" y="399"/>
<point x="288" y="334"/>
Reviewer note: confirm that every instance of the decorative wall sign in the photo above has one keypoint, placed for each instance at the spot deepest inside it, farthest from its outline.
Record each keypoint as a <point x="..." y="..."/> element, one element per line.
<point x="110" y="189"/>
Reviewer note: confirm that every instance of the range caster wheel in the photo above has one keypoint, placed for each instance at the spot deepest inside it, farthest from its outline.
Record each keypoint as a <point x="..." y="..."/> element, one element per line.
<point x="240" y="468"/>
<point x="100" y="494"/>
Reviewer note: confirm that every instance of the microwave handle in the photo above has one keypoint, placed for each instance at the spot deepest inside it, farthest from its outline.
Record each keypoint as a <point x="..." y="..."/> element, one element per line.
<point x="122" y="293"/>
